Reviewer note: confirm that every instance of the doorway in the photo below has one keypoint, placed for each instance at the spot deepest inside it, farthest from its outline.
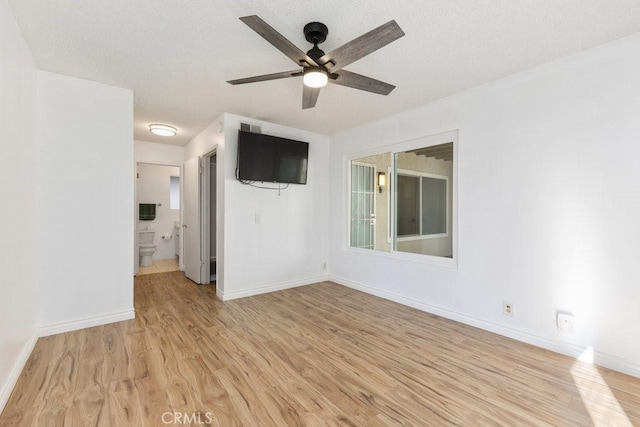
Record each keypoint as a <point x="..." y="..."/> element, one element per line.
<point x="209" y="219"/>
<point x="201" y="218"/>
<point x="158" y="212"/>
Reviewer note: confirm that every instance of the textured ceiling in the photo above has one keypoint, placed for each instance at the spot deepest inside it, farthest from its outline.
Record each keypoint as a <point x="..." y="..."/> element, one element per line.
<point x="176" y="55"/>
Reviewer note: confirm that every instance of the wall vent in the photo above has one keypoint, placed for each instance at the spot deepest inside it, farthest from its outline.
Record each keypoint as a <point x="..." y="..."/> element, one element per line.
<point x="250" y="128"/>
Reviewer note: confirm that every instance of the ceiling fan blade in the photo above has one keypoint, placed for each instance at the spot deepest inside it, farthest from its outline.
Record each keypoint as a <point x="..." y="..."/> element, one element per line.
<point x="361" y="46"/>
<point x="309" y="96"/>
<point x="358" y="81"/>
<point x="265" y="77"/>
<point x="277" y="40"/>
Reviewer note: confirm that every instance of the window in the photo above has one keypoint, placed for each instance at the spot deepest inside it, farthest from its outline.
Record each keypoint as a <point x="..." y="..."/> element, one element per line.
<point x="411" y="210"/>
<point x="174" y="192"/>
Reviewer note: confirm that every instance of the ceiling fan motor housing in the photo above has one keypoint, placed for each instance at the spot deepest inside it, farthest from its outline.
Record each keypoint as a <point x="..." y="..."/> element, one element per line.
<point x="315" y="32"/>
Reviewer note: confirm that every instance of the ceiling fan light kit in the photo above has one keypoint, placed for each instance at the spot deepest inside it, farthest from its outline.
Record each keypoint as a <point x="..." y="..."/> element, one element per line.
<point x="315" y="77"/>
<point x="319" y="68"/>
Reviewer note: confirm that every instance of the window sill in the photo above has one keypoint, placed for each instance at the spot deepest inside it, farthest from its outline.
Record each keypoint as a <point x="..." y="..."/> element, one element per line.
<point x="425" y="237"/>
<point x="409" y="257"/>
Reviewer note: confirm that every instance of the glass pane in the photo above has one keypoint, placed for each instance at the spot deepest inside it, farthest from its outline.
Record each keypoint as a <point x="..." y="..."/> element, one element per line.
<point x="434" y="206"/>
<point x="408" y="205"/>
<point x="369" y="203"/>
<point x="424" y="209"/>
<point x="361" y="205"/>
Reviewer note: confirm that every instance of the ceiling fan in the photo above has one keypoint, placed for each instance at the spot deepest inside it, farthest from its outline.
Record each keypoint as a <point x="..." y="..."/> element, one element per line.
<point x="319" y="68"/>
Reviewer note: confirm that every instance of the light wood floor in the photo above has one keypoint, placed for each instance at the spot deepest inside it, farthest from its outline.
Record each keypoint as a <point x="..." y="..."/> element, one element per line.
<point x="316" y="355"/>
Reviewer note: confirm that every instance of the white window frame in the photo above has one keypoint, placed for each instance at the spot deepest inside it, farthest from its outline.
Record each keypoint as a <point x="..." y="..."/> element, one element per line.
<point x="420" y="236"/>
<point x="393" y="149"/>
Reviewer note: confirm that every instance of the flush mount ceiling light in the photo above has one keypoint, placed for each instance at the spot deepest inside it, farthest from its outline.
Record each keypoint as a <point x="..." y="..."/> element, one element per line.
<point x="315" y="77"/>
<point x="163" y="130"/>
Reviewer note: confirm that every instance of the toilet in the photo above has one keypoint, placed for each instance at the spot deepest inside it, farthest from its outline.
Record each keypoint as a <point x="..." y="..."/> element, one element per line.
<point x="146" y="246"/>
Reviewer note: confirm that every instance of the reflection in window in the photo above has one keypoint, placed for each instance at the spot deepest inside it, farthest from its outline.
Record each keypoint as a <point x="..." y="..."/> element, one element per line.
<point x="434" y="206"/>
<point x="362" y="205"/>
<point x="413" y="210"/>
<point x="424" y="200"/>
<point x="369" y="213"/>
<point x="422" y="205"/>
<point x="408" y="216"/>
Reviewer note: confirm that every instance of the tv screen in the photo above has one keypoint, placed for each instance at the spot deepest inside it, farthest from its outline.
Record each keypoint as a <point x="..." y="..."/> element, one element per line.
<point x="268" y="158"/>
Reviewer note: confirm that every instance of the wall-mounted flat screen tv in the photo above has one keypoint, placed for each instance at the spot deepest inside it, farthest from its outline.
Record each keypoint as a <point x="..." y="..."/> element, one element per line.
<point x="266" y="158"/>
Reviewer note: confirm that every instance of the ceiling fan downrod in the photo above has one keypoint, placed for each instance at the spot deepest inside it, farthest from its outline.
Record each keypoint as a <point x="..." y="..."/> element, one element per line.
<point x="316" y="33"/>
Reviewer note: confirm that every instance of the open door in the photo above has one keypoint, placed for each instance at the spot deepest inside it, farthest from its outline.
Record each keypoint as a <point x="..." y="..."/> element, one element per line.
<point x="191" y="224"/>
<point x="136" y="248"/>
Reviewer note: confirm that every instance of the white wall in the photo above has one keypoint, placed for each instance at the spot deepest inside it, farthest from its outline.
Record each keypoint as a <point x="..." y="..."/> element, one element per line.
<point x="18" y="212"/>
<point x="289" y="245"/>
<point x="548" y="206"/>
<point x="85" y="203"/>
<point x="159" y="154"/>
<point x="154" y="187"/>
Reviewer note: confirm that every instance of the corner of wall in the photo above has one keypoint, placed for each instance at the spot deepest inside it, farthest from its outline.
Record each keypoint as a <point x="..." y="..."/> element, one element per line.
<point x="16" y="370"/>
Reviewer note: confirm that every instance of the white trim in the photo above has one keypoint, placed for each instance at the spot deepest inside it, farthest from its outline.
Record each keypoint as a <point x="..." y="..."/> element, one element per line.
<point x="407" y="256"/>
<point x="270" y="288"/>
<point x="43" y="331"/>
<point x="626" y="366"/>
<point x="87" y="322"/>
<point x="205" y="215"/>
<point x="390" y="212"/>
<point x="392" y="149"/>
<point x="412" y="237"/>
<point x="18" y="366"/>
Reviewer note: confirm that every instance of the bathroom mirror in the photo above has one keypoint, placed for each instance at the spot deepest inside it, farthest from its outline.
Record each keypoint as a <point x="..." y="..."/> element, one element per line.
<point x="403" y="201"/>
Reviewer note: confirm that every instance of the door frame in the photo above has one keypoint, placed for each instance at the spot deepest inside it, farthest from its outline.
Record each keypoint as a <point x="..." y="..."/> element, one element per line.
<point x="205" y="216"/>
<point x="136" y="221"/>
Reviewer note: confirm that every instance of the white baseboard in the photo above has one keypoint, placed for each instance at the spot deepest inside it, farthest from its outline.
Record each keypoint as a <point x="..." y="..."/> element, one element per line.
<point x="18" y="366"/>
<point x="87" y="322"/>
<point x="627" y="366"/>
<point x="57" y="328"/>
<point x="269" y="288"/>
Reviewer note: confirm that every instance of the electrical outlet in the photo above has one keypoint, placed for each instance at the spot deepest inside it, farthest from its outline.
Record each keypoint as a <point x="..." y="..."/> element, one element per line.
<point x="257" y="218"/>
<point x="566" y="322"/>
<point x="507" y="308"/>
<point x="324" y="266"/>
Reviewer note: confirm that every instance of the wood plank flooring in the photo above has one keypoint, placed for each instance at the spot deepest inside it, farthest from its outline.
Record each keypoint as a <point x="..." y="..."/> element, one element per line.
<point x="317" y="355"/>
